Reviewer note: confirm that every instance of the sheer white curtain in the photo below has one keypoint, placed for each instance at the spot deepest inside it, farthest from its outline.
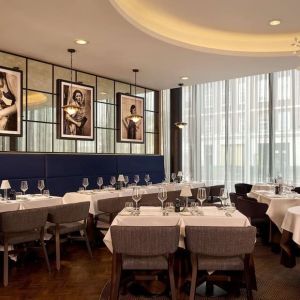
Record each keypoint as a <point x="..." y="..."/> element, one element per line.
<point x="165" y="130"/>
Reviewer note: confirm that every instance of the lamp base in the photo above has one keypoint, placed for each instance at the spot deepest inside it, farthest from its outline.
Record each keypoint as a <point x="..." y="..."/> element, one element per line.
<point x="186" y="208"/>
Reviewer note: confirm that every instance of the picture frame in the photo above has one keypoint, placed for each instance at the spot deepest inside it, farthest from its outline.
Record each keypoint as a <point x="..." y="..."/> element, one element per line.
<point x="128" y="131"/>
<point x="80" y="124"/>
<point x="11" y="101"/>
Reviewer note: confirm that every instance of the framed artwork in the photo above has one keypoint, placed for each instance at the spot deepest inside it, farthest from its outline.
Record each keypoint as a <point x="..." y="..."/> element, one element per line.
<point x="129" y="131"/>
<point x="76" y="123"/>
<point x="11" y="101"/>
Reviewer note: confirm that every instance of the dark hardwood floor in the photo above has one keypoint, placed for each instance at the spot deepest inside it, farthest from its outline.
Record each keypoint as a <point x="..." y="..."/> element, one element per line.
<point x="83" y="278"/>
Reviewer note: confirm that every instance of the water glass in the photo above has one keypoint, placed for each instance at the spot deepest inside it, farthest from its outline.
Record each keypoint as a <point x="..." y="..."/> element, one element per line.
<point x="136" y="179"/>
<point x="126" y="180"/>
<point x="201" y="196"/>
<point x="99" y="182"/>
<point x="194" y="208"/>
<point x="129" y="206"/>
<point x="46" y="193"/>
<point x="112" y="180"/>
<point x="231" y="208"/>
<point x="24" y="186"/>
<point x="136" y="197"/>
<point x="80" y="189"/>
<point x="41" y="185"/>
<point x="85" y="182"/>
<point x="147" y="178"/>
<point x="162" y="196"/>
<point x="170" y="206"/>
<point x="173" y="176"/>
<point x="223" y="196"/>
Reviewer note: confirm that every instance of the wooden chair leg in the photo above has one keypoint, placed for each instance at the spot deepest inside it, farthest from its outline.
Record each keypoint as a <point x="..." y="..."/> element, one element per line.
<point x="57" y="247"/>
<point x="248" y="277"/>
<point x="44" y="249"/>
<point x="88" y="243"/>
<point x="194" y="261"/>
<point x="115" y="276"/>
<point x="5" y="264"/>
<point x="171" y="276"/>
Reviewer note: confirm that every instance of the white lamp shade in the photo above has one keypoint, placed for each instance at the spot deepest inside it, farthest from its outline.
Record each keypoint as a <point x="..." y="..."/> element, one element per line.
<point x="186" y="191"/>
<point x="179" y="174"/>
<point x="5" y="185"/>
<point x="121" y="178"/>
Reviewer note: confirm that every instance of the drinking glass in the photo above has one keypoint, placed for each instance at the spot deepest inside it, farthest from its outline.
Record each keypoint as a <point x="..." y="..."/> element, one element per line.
<point x="24" y="186"/>
<point x="129" y="206"/>
<point x="41" y="185"/>
<point x="223" y="196"/>
<point x="136" y="179"/>
<point x="85" y="182"/>
<point x="126" y="180"/>
<point x="112" y="180"/>
<point x="80" y="189"/>
<point x="46" y="193"/>
<point x="201" y="196"/>
<point x="136" y="197"/>
<point x="170" y="206"/>
<point x="194" y="208"/>
<point x="231" y="208"/>
<point x="99" y="182"/>
<point x="173" y="176"/>
<point x="147" y="178"/>
<point x="162" y="196"/>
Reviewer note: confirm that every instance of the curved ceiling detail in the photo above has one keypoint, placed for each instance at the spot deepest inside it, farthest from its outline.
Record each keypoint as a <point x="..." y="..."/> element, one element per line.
<point x="180" y="31"/>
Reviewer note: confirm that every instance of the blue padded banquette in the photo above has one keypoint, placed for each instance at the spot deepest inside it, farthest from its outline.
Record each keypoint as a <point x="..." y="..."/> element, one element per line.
<point x="64" y="172"/>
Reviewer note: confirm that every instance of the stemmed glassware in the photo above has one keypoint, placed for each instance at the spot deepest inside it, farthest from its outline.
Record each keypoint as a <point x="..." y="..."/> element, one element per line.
<point x="147" y="178"/>
<point x="99" y="182"/>
<point x="223" y="196"/>
<point x="162" y="196"/>
<point x="136" y="197"/>
<point x="136" y="179"/>
<point x="112" y="180"/>
<point x="24" y="186"/>
<point x="41" y="185"/>
<point x="201" y="196"/>
<point x="173" y="176"/>
<point x="126" y="180"/>
<point x="85" y="182"/>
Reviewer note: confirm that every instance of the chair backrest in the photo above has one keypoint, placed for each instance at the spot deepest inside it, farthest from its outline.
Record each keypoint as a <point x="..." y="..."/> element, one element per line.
<point x="250" y="207"/>
<point x="220" y="241"/>
<point x="242" y="188"/>
<point x="68" y="213"/>
<point x="297" y="189"/>
<point x="215" y="190"/>
<point x="23" y="220"/>
<point x="144" y="240"/>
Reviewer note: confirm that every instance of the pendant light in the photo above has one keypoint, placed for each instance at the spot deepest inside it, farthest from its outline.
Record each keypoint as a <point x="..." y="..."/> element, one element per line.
<point x="180" y="124"/>
<point x="135" y="117"/>
<point x="71" y="108"/>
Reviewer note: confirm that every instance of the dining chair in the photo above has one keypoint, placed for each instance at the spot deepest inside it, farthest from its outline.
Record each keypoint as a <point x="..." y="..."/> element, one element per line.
<point x="214" y="193"/>
<point x="22" y="226"/>
<point x="143" y="248"/>
<point x="242" y="188"/>
<point x="68" y="218"/>
<point x="220" y="249"/>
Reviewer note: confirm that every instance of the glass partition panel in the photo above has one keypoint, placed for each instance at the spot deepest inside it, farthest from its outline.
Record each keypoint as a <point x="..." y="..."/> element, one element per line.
<point x="86" y="79"/>
<point x="39" y="106"/>
<point x="39" y="76"/>
<point x="105" y="90"/>
<point x="105" y="140"/>
<point x="39" y="137"/>
<point x="105" y="115"/>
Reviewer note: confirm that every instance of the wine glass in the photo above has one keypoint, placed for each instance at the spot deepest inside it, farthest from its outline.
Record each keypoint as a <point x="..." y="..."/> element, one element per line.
<point x="85" y="182"/>
<point x="173" y="176"/>
<point x="112" y="180"/>
<point x="126" y="180"/>
<point x="147" y="178"/>
<point x="136" y="179"/>
<point x="162" y="196"/>
<point x="201" y="196"/>
<point x="136" y="197"/>
<point x="99" y="182"/>
<point x="24" y="186"/>
<point x="223" y="196"/>
<point x="41" y="185"/>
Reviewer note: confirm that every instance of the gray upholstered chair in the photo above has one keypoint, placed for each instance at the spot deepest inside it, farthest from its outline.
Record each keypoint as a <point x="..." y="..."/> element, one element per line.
<point x="143" y="248"/>
<point x="222" y="249"/>
<point x="68" y="218"/>
<point x="22" y="226"/>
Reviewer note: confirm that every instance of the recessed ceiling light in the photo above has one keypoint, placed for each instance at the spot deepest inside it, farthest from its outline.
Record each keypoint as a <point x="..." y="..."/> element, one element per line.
<point x="81" y="42"/>
<point x="274" y="22"/>
<point x="184" y="78"/>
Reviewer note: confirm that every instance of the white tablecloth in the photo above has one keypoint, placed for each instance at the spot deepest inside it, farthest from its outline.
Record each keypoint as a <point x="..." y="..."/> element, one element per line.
<point x="95" y="195"/>
<point x="30" y="201"/>
<point x="262" y="186"/>
<point x="291" y="222"/>
<point x="152" y="216"/>
<point x="278" y="204"/>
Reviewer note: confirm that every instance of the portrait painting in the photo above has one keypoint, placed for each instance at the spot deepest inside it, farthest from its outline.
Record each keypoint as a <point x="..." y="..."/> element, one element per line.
<point x="129" y="130"/>
<point x="10" y="101"/>
<point x="75" y="110"/>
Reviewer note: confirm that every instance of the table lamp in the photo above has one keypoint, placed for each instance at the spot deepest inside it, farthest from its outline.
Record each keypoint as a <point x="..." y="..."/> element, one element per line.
<point x="186" y="192"/>
<point x="121" y="180"/>
<point x="5" y="186"/>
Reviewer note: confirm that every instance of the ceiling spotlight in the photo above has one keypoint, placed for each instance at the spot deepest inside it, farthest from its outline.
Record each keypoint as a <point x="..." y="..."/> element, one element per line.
<point x="81" y="42"/>
<point x="274" y="22"/>
<point x="184" y="78"/>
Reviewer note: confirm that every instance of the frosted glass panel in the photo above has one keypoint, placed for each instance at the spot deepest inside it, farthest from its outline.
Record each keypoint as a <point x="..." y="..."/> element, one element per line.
<point x="61" y="145"/>
<point x="86" y="79"/>
<point x="39" y="106"/>
<point x="138" y="148"/>
<point x="150" y="143"/>
<point x="86" y="146"/>
<point x="150" y="121"/>
<point x="150" y="104"/>
<point x="122" y="148"/>
<point x="105" y="90"/>
<point x="62" y="73"/>
<point x="39" y="76"/>
<point x="105" y="140"/>
<point x="105" y="115"/>
<point x="39" y="137"/>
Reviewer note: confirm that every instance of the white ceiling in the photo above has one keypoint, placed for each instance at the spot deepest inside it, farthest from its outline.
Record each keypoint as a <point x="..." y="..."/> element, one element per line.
<point x="45" y="29"/>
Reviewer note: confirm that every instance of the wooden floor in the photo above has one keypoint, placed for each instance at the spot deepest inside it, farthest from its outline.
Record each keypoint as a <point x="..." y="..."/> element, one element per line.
<point x="83" y="278"/>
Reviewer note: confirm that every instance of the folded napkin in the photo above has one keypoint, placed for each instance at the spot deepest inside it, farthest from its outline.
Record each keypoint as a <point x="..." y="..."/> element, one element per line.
<point x="150" y="208"/>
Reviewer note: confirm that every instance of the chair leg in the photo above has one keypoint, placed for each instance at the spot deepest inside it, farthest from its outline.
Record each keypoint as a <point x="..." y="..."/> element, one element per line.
<point x="57" y="247"/>
<point x="194" y="262"/>
<point x="248" y="277"/>
<point x="5" y="264"/>
<point x="45" y="250"/>
<point x="88" y="243"/>
<point x="115" y="276"/>
<point x="171" y="276"/>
